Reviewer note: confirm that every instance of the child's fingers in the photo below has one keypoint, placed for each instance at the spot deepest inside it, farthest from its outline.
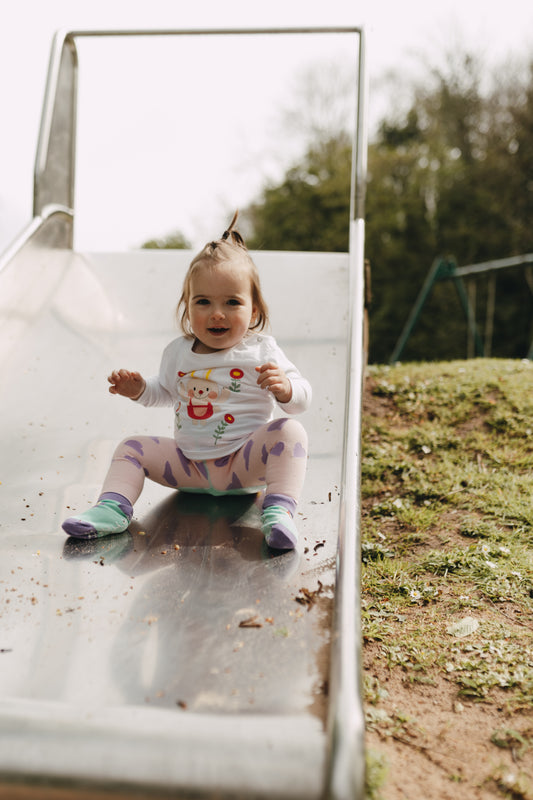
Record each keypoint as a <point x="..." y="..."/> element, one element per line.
<point x="113" y="379"/>
<point x="264" y="367"/>
<point x="119" y="375"/>
<point x="275" y="386"/>
<point x="273" y="379"/>
<point x="119" y="379"/>
<point x="268" y="369"/>
<point x="269" y="375"/>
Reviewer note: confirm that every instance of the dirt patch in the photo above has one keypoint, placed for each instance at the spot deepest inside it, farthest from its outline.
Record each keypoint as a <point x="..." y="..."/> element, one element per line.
<point x="443" y="748"/>
<point x="440" y="745"/>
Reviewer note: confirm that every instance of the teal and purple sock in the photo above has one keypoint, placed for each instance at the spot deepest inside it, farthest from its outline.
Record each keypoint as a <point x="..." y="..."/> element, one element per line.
<point x="277" y="522"/>
<point x="111" y="514"/>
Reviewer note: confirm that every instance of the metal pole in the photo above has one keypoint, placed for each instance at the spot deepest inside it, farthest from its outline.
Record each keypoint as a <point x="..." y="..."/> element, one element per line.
<point x="489" y="322"/>
<point x="56" y="147"/>
<point x="439" y="264"/>
<point x="346" y="761"/>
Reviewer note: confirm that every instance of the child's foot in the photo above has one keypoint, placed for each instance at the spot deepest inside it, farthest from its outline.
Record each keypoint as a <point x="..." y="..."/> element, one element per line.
<point x="278" y="528"/>
<point x="106" y="517"/>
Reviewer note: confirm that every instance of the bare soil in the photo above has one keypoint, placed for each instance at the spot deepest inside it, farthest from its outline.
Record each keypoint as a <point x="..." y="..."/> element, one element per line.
<point x="445" y="749"/>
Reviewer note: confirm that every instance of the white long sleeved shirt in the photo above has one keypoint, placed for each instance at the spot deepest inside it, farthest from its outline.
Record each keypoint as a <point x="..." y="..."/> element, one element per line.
<point x="217" y="402"/>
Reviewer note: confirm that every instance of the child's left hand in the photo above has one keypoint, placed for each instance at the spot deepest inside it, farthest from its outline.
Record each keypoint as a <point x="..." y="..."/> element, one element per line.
<point x="273" y="378"/>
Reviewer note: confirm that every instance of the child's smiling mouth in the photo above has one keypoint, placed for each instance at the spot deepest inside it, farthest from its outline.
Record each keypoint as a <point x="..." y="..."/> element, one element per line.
<point x="217" y="331"/>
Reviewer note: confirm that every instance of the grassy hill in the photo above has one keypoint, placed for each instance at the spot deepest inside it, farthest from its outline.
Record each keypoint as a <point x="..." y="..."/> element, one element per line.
<point x="447" y="580"/>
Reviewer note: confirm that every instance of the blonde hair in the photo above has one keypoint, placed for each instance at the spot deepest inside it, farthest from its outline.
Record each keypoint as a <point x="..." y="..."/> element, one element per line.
<point x="229" y="248"/>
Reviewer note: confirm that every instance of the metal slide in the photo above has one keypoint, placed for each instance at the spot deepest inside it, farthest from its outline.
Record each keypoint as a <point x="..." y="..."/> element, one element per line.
<point x="181" y="658"/>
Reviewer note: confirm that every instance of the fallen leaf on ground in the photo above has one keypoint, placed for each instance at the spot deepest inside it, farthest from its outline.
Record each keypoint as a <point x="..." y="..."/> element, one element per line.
<point x="251" y="622"/>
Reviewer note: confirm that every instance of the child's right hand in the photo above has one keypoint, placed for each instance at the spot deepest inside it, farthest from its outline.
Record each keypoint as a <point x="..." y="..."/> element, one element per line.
<point x="126" y="383"/>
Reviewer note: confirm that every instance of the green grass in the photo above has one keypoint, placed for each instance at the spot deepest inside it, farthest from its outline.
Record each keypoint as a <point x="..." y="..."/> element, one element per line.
<point x="447" y="487"/>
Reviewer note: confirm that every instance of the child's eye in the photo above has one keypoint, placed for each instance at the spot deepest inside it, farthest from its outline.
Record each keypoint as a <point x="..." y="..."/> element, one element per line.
<point x="202" y="301"/>
<point x="234" y="302"/>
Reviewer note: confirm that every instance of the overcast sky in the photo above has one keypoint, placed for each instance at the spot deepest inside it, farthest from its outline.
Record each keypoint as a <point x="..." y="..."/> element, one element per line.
<point x="161" y="193"/>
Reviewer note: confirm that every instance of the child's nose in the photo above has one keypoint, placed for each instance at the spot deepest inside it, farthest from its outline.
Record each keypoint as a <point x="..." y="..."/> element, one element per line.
<point x="218" y="313"/>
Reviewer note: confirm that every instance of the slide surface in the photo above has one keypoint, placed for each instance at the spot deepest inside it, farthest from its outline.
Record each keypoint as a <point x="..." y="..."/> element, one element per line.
<point x="181" y="658"/>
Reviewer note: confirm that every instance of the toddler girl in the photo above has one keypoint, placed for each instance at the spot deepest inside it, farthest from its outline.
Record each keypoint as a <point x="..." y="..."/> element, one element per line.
<point x="227" y="383"/>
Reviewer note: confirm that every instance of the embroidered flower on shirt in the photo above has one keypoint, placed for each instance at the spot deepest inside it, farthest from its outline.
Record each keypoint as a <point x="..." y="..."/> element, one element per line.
<point x="235" y="375"/>
<point x="177" y="420"/>
<point x="229" y="419"/>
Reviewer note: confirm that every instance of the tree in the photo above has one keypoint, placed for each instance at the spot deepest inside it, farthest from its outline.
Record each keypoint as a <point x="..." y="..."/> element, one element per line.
<point x="478" y="195"/>
<point x="449" y="176"/>
<point x="174" y="241"/>
<point x="309" y="210"/>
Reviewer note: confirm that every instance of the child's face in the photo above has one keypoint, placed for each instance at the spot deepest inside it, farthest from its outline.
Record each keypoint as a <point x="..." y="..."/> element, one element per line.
<point x="220" y="307"/>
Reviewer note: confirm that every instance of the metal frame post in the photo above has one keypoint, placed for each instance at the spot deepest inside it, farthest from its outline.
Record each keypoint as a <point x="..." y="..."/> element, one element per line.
<point x="346" y="778"/>
<point x="55" y="161"/>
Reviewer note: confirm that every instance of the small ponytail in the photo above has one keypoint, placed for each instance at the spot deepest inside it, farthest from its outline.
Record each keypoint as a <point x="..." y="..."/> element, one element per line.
<point x="235" y="235"/>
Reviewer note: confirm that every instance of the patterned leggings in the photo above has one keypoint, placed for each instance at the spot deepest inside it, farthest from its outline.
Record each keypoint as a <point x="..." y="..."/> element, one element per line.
<point x="274" y="456"/>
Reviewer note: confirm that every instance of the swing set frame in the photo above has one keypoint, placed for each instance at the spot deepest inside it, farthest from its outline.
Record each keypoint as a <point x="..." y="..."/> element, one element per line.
<point x="446" y="269"/>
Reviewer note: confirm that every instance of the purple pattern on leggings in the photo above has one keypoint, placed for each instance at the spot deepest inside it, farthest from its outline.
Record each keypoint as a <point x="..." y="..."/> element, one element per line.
<point x="146" y="473"/>
<point x="235" y="483"/>
<point x="264" y="455"/>
<point x="246" y="454"/>
<point x="221" y="462"/>
<point x="202" y="469"/>
<point x="135" y="445"/>
<point x="278" y="449"/>
<point x="154" y="439"/>
<point x="133" y="461"/>
<point x="277" y="424"/>
<point x="184" y="461"/>
<point x="299" y="451"/>
<point x="168" y="476"/>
